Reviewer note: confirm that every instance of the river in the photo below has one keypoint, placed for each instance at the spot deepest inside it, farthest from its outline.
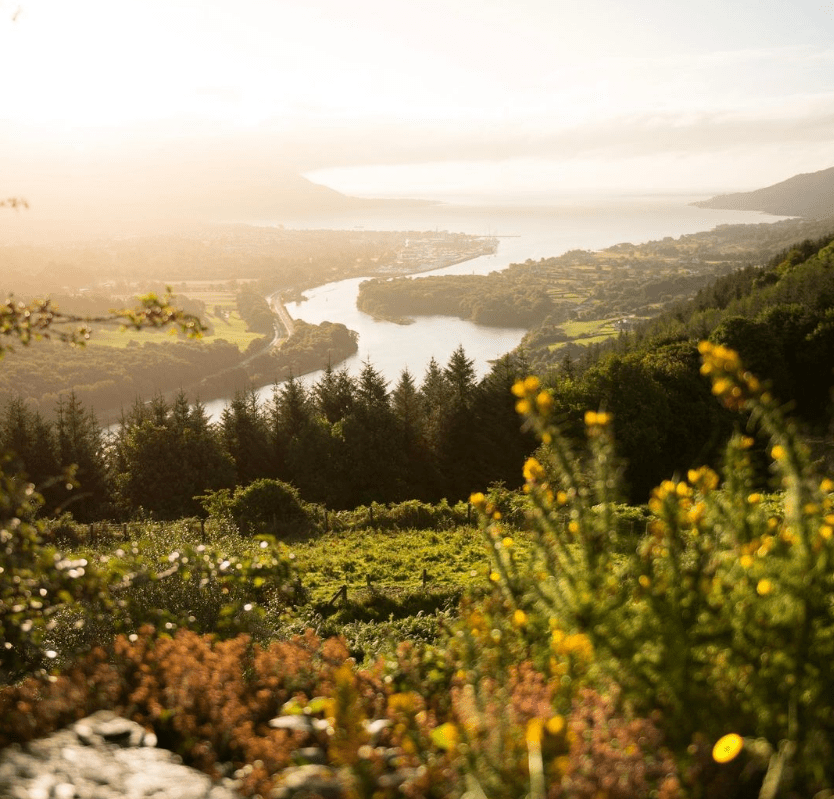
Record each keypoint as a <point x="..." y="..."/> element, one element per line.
<point x="524" y="233"/>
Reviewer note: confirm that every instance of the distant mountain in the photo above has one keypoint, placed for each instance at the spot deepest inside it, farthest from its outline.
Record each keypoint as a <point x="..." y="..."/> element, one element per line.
<point x="808" y="195"/>
<point x="139" y="189"/>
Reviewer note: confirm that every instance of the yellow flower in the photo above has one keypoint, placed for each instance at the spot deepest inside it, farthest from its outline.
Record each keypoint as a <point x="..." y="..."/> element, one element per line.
<point x="531" y="384"/>
<point x="826" y="531"/>
<point x="478" y="500"/>
<point x="494" y="576"/>
<point x="778" y="453"/>
<point x="523" y="406"/>
<point x="544" y="402"/>
<point x="519" y="618"/>
<point x="533" y="471"/>
<point x="746" y="561"/>
<point x="727" y="747"/>
<point x="561" y="497"/>
<point x="721" y="386"/>
<point x="507" y="542"/>
<point x="826" y="486"/>
<point x="534" y="731"/>
<point x="597" y="418"/>
<point x="555" y="725"/>
<point x="644" y="580"/>
<point x="753" y="499"/>
<point x="764" y="587"/>
<point x="573" y="526"/>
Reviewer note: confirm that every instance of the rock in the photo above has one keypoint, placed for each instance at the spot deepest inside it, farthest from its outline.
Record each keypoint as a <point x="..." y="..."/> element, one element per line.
<point x="299" y="723"/>
<point x="102" y="757"/>
<point x="308" y="781"/>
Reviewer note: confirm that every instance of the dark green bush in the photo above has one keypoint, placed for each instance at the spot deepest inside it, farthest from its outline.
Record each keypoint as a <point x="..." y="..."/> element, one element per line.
<point x="269" y="506"/>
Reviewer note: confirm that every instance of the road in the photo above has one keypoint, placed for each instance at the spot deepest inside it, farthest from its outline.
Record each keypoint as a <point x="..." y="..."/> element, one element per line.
<point x="278" y="309"/>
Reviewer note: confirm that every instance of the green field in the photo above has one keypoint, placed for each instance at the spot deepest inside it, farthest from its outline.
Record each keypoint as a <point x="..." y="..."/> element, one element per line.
<point x="228" y="326"/>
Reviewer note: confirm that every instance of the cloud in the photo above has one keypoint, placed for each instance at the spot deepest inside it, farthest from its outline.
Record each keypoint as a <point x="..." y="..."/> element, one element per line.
<point x="808" y="120"/>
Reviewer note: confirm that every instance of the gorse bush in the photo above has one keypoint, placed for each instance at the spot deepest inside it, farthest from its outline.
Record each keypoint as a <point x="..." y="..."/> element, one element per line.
<point x="720" y="620"/>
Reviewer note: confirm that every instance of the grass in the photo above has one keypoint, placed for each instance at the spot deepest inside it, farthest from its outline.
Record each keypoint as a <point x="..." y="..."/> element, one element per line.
<point x="393" y="560"/>
<point x="231" y="328"/>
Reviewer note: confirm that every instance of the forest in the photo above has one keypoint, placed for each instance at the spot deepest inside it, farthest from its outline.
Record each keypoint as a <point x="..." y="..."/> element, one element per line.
<point x="609" y="579"/>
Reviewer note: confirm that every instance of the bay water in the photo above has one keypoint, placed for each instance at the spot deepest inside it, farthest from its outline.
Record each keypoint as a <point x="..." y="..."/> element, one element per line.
<point x="525" y="233"/>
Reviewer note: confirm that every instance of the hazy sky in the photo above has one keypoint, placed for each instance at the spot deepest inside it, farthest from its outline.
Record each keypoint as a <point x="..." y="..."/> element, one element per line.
<point x="425" y="98"/>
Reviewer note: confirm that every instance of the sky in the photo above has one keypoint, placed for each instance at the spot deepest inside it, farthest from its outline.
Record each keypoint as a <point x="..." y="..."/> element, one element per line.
<point x="459" y="98"/>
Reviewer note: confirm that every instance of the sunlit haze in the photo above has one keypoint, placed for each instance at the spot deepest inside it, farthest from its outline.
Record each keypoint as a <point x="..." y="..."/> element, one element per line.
<point x="478" y="98"/>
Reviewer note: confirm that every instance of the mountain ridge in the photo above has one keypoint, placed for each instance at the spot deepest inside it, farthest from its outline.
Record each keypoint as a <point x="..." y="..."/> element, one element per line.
<point x="809" y="195"/>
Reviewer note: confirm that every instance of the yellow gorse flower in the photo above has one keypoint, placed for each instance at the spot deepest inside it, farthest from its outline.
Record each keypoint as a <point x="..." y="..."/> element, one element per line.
<point x="727" y="747"/>
<point x="478" y="500"/>
<point x="524" y="388"/>
<point x="544" y="402"/>
<point x="597" y="418"/>
<point x="533" y="471"/>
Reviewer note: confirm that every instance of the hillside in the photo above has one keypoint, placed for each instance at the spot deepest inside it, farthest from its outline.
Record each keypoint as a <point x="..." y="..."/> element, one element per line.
<point x="808" y="195"/>
<point x="545" y="642"/>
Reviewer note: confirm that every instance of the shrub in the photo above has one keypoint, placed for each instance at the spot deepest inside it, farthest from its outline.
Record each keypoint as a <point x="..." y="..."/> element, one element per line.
<point x="721" y="620"/>
<point x="268" y="506"/>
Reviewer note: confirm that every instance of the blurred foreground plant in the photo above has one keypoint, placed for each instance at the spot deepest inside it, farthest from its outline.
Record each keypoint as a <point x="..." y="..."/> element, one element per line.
<point x="40" y="319"/>
<point x="719" y="619"/>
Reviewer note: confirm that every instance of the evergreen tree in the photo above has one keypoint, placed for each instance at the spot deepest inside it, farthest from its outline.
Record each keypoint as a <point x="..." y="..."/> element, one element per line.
<point x="457" y="451"/>
<point x="371" y="464"/>
<point x="166" y="456"/>
<point x="501" y="445"/>
<point x="333" y="395"/>
<point x="460" y="376"/>
<point x="300" y="442"/>
<point x="80" y="443"/>
<point x="407" y="408"/>
<point x="246" y="436"/>
<point x="30" y="443"/>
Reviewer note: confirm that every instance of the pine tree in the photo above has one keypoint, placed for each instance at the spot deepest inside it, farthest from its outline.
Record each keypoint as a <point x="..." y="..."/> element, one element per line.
<point x="460" y="376"/>
<point x="30" y="442"/>
<point x="166" y="456"/>
<point x="407" y="408"/>
<point x="333" y="395"/>
<point x="369" y="465"/>
<point x="246" y="437"/>
<point x="80" y="443"/>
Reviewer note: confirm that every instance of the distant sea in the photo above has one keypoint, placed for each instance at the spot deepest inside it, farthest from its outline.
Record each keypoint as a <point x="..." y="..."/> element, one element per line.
<point x="526" y="232"/>
<point x="546" y="229"/>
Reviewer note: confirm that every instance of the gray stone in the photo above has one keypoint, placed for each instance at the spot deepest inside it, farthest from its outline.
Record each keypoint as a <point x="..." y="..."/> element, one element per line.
<point x="102" y="757"/>
<point x="310" y="780"/>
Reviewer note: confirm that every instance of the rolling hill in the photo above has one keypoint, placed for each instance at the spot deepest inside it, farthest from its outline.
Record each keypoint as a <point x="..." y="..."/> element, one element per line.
<point x="809" y="195"/>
